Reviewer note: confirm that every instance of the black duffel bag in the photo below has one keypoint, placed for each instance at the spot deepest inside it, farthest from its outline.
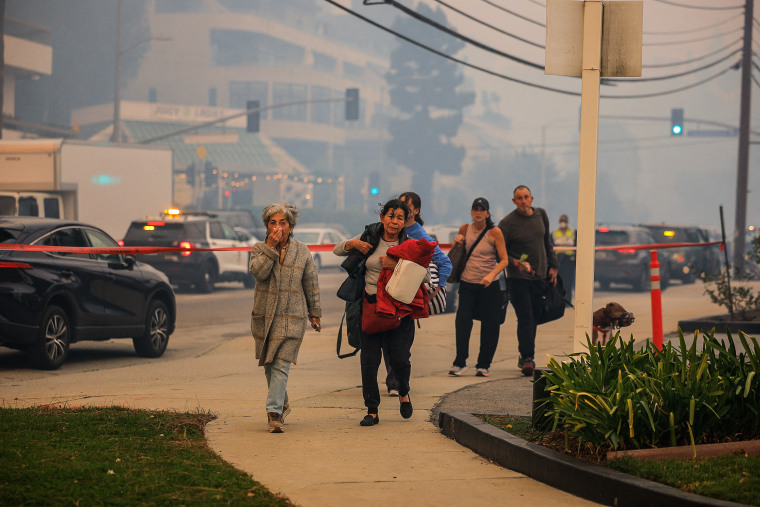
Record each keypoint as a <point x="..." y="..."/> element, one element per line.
<point x="548" y="301"/>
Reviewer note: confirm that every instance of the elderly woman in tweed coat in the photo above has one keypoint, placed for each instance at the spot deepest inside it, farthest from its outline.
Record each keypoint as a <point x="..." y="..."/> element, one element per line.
<point x="286" y="297"/>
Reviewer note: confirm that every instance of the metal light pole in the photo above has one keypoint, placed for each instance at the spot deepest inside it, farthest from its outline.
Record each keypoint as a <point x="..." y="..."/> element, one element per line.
<point x="116" y="134"/>
<point x="742" y="177"/>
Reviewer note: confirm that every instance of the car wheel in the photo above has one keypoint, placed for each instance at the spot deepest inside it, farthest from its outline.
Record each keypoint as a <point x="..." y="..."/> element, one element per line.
<point x="318" y="262"/>
<point x="155" y="338"/>
<point x="249" y="282"/>
<point x="205" y="283"/>
<point x="53" y="339"/>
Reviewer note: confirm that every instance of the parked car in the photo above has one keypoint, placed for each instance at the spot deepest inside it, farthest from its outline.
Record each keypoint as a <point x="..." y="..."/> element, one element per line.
<point x="321" y="236"/>
<point x="49" y="300"/>
<point x="200" y="270"/>
<point x="626" y="265"/>
<point x="242" y="219"/>
<point x="686" y="264"/>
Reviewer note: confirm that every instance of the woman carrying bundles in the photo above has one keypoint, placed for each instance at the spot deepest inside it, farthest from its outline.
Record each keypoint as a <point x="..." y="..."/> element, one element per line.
<point x="373" y="245"/>
<point x="479" y="288"/>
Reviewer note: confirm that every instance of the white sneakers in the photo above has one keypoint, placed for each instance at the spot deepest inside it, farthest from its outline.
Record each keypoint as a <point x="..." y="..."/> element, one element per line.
<point x="457" y="370"/>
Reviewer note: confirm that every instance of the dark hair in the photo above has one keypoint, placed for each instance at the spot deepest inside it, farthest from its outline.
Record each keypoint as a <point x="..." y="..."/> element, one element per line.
<point x="489" y="222"/>
<point x="395" y="204"/>
<point x="416" y="202"/>
<point x="520" y="187"/>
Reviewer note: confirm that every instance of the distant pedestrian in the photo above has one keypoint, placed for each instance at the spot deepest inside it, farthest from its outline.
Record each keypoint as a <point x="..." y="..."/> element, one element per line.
<point x="373" y="245"/>
<point x="285" y="299"/>
<point x="479" y="288"/>
<point x="531" y="259"/>
<point x="565" y="236"/>
<point x="441" y="262"/>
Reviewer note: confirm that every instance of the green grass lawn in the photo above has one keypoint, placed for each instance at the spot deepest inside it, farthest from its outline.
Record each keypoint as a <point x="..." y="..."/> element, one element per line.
<point x="114" y="455"/>
<point x="735" y="477"/>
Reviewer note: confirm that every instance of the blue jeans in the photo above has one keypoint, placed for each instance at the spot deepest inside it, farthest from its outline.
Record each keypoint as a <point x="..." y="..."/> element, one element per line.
<point x="277" y="381"/>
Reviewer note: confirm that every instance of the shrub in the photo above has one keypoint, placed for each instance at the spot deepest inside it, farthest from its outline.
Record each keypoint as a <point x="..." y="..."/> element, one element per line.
<point x="618" y="397"/>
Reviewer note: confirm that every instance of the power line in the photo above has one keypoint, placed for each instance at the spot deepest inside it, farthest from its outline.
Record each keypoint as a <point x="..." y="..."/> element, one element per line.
<point x="516" y="14"/>
<point x="444" y="55"/>
<point x="514" y="80"/>
<point x="695" y="30"/>
<point x="540" y="4"/>
<point x="464" y="38"/>
<point x="691" y="60"/>
<point x="491" y="26"/>
<point x="658" y="94"/>
<point x="688" y="41"/>
<point x="725" y="8"/>
<point x="680" y="74"/>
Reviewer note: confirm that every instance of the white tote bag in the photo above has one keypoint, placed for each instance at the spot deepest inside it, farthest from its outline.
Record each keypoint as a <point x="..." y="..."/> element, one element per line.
<point x="405" y="281"/>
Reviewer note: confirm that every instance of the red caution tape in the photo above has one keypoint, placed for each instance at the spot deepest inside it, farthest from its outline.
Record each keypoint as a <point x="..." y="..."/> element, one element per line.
<point x="146" y="250"/>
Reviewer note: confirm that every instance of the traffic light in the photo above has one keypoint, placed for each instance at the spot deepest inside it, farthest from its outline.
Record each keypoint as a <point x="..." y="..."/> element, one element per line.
<point x="374" y="183"/>
<point x="210" y="174"/>
<point x="676" y="121"/>
<point x="190" y="175"/>
<point x="352" y="103"/>
<point x="252" y="125"/>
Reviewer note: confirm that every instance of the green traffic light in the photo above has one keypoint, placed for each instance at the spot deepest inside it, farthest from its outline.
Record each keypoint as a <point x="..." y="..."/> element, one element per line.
<point x="677" y="129"/>
<point x="374" y="190"/>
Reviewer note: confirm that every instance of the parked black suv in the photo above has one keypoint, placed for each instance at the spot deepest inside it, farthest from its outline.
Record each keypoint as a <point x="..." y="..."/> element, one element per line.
<point x="198" y="269"/>
<point x="626" y="265"/>
<point x="687" y="263"/>
<point x="49" y="300"/>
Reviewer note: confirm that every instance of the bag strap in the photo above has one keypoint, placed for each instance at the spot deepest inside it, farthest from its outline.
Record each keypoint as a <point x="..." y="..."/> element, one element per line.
<point x="485" y="230"/>
<point x="340" y="339"/>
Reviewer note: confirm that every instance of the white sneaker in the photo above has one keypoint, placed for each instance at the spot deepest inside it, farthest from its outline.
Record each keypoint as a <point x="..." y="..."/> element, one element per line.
<point x="482" y="372"/>
<point x="457" y="370"/>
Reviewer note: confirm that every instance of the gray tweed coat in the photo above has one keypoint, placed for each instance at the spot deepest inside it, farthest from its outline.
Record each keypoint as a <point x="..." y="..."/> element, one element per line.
<point x="284" y="299"/>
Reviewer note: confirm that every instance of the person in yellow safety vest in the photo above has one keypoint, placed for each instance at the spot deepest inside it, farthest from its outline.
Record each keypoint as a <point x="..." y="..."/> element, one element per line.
<point x="565" y="236"/>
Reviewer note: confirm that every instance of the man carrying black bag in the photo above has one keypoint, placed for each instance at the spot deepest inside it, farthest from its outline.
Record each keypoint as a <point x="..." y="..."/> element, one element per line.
<point x="531" y="261"/>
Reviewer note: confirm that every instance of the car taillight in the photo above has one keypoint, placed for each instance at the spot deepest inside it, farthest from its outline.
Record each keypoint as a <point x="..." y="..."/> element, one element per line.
<point x="15" y="265"/>
<point x="627" y="250"/>
<point x="120" y="242"/>
<point x="185" y="244"/>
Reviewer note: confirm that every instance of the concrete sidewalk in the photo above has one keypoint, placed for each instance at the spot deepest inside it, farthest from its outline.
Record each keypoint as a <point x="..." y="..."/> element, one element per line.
<point x="325" y="457"/>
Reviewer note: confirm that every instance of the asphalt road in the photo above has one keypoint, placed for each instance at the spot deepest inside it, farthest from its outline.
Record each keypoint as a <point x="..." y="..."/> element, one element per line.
<point x="230" y="306"/>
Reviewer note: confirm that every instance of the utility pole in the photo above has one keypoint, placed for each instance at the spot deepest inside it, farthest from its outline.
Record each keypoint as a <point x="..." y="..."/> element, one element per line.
<point x="742" y="171"/>
<point x="116" y="134"/>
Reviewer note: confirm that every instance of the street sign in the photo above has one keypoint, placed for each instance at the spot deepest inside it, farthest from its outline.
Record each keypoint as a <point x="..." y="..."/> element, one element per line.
<point x="713" y="133"/>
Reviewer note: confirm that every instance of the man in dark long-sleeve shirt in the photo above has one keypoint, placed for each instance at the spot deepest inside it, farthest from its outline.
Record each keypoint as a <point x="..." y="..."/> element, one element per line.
<point x="531" y="258"/>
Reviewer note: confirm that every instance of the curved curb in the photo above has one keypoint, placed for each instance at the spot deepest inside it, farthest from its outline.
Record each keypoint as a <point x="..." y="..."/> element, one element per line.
<point x="586" y="480"/>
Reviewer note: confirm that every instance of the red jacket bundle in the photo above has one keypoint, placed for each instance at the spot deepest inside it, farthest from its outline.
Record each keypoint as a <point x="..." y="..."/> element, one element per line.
<point x="419" y="251"/>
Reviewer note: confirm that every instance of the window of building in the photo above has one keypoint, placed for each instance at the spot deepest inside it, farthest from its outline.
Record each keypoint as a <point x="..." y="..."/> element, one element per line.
<point x="289" y="92"/>
<point x="172" y="6"/>
<point x="212" y="97"/>
<point x="352" y="71"/>
<point x="323" y="62"/>
<point x="243" y="91"/>
<point x="321" y="112"/>
<point x="240" y="47"/>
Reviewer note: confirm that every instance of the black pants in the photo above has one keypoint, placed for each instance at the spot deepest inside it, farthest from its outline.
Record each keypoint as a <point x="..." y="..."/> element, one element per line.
<point x="521" y="298"/>
<point x="487" y="301"/>
<point x="399" y="345"/>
